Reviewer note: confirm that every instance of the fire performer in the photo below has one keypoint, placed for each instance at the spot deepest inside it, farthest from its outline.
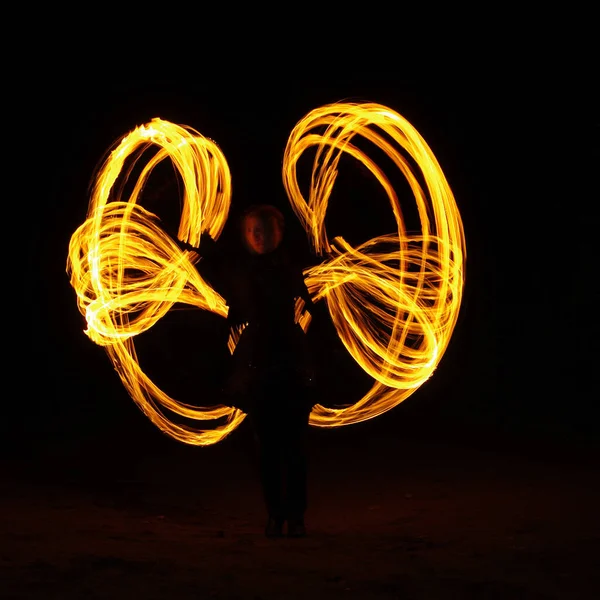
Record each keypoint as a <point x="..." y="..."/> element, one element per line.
<point x="271" y="375"/>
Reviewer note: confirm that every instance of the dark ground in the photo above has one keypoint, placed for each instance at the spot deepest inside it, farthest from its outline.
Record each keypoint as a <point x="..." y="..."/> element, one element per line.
<point x="410" y="511"/>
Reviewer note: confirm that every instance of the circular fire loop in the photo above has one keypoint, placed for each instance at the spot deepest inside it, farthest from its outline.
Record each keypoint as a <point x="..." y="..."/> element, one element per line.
<point x="394" y="300"/>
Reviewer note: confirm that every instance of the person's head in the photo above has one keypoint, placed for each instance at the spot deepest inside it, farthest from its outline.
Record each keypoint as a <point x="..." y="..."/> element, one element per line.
<point x="262" y="228"/>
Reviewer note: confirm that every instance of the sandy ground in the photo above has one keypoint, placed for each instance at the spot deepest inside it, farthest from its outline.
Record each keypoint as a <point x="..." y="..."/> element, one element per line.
<point x="402" y="516"/>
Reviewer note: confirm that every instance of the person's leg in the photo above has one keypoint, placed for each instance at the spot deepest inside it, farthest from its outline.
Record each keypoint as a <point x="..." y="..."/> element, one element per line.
<point x="295" y="458"/>
<point x="268" y="438"/>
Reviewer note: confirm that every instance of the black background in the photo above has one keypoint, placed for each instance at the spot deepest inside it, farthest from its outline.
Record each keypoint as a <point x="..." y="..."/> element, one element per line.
<point x="522" y="353"/>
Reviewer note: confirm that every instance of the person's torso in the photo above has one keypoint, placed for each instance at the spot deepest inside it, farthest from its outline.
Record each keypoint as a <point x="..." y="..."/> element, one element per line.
<point x="262" y="292"/>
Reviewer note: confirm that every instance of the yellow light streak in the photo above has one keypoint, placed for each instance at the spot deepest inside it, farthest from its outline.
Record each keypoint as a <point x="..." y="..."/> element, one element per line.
<point x="127" y="272"/>
<point x="395" y="299"/>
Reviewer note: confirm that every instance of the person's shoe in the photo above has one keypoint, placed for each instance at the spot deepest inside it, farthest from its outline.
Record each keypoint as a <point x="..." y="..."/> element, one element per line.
<point x="296" y="528"/>
<point x="274" y="528"/>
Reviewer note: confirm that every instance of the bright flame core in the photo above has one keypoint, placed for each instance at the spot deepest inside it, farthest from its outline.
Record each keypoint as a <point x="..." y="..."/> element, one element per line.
<point x="394" y="300"/>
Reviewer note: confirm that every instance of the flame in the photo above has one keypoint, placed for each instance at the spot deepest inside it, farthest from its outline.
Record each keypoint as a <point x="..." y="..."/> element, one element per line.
<point x="127" y="272"/>
<point x="395" y="299"/>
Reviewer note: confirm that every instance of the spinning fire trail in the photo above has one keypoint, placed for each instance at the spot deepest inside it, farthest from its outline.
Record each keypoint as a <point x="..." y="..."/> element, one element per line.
<point x="394" y="300"/>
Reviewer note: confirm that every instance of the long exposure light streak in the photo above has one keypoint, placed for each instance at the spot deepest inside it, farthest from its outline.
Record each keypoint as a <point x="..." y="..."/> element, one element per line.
<point x="394" y="300"/>
<point x="127" y="272"/>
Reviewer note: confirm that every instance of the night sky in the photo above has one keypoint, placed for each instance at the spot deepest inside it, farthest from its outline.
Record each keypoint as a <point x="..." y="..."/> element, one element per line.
<point x="522" y="350"/>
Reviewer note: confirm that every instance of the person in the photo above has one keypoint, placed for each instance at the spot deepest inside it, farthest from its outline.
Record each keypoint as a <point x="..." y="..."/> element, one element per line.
<point x="271" y="376"/>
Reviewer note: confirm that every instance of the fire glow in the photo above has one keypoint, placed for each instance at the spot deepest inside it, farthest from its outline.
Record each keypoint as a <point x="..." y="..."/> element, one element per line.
<point x="394" y="300"/>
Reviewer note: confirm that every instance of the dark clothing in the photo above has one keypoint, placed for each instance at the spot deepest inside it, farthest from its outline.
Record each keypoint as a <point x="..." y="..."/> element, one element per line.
<point x="271" y="376"/>
<point x="280" y="420"/>
<point x="261" y="292"/>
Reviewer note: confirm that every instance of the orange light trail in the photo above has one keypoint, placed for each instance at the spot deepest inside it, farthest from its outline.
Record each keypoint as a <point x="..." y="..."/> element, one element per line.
<point x="394" y="300"/>
<point x="127" y="272"/>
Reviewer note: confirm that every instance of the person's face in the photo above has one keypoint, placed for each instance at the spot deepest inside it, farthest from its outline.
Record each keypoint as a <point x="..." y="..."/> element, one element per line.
<point x="261" y="235"/>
